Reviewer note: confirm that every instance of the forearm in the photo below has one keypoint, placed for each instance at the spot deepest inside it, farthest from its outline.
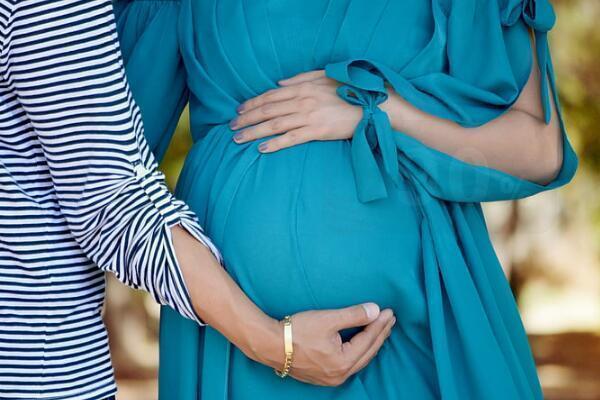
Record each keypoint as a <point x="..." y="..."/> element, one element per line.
<point x="220" y="302"/>
<point x="517" y="143"/>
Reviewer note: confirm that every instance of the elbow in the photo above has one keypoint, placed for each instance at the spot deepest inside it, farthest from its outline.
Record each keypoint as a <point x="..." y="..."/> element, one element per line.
<point x="550" y="169"/>
<point x="550" y="157"/>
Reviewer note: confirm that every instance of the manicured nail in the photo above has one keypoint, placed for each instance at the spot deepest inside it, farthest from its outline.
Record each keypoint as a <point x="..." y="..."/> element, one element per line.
<point x="238" y="137"/>
<point x="240" y="109"/>
<point x="391" y="316"/>
<point x="233" y="123"/>
<point x="372" y="310"/>
<point x="263" y="147"/>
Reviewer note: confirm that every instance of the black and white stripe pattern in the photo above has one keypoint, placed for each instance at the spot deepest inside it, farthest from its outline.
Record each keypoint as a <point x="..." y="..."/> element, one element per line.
<point x="79" y="195"/>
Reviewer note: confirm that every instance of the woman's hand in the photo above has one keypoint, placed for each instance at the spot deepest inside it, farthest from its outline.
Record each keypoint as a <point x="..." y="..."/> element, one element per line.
<point x="320" y="356"/>
<point x="305" y="108"/>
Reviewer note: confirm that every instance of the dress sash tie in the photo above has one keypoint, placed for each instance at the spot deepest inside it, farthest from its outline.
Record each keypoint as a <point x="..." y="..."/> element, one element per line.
<point x="373" y="133"/>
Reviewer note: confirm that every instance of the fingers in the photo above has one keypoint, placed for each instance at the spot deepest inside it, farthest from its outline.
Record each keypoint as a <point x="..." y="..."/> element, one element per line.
<point x="355" y="316"/>
<point x="271" y="127"/>
<point x="289" y="139"/>
<point x="266" y="112"/>
<point x="274" y="95"/>
<point x="289" y="89"/>
<point x="364" y="341"/>
<point x="322" y="358"/>
<point x="374" y="349"/>
<point x="303" y="77"/>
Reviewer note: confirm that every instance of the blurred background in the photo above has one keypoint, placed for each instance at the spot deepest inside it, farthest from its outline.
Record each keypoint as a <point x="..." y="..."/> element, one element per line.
<point x="549" y="245"/>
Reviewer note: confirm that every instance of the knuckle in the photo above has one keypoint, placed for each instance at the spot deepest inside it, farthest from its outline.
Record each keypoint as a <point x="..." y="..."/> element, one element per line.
<point x="293" y="136"/>
<point x="249" y="134"/>
<point x="346" y="368"/>
<point x="352" y="313"/>
<point x="307" y="103"/>
<point x="315" y="116"/>
<point x="265" y="109"/>
<point x="304" y="88"/>
<point x="339" y="381"/>
<point x="277" y="145"/>
<point x="241" y="120"/>
<point x="281" y="142"/>
<point x="275" y="125"/>
<point x="274" y="145"/>
<point x="340" y="317"/>
<point x="287" y="140"/>
<point x="268" y="95"/>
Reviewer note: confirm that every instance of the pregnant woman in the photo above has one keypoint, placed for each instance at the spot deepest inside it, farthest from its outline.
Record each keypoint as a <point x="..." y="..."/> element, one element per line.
<point x="358" y="179"/>
<point x="80" y="195"/>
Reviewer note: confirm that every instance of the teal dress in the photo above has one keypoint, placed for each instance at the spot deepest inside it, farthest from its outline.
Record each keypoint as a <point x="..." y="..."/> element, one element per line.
<point x="381" y="217"/>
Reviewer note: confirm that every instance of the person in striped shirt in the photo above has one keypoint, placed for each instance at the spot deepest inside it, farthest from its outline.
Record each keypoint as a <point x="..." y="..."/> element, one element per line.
<point x="80" y="194"/>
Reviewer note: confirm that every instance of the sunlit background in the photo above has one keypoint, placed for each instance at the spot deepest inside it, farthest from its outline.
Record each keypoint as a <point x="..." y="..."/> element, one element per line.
<point x="548" y="244"/>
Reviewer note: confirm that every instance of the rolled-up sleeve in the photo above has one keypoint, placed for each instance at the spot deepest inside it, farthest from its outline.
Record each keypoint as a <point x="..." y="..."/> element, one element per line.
<point x="67" y="71"/>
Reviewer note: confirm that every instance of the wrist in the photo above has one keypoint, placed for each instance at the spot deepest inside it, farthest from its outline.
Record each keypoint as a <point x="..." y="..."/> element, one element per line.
<point x="264" y="342"/>
<point x="396" y="109"/>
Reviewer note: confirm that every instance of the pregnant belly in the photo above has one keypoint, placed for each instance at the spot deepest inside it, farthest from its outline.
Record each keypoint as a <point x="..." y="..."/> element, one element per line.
<point x="293" y="233"/>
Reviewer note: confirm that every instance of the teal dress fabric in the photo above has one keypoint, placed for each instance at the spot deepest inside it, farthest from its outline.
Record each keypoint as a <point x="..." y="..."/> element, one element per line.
<point x="381" y="217"/>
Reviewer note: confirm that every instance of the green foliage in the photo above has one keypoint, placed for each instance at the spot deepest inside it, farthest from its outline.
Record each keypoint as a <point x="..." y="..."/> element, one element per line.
<point x="576" y="48"/>
<point x="178" y="149"/>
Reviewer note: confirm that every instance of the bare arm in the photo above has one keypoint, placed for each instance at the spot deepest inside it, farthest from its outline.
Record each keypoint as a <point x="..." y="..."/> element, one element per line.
<point x="221" y="303"/>
<point x="518" y="142"/>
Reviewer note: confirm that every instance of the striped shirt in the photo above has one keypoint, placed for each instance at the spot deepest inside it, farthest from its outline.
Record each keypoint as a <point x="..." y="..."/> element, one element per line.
<point x="80" y="194"/>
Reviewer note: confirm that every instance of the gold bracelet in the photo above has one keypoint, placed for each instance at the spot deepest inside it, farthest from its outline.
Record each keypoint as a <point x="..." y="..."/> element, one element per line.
<point x="288" y="347"/>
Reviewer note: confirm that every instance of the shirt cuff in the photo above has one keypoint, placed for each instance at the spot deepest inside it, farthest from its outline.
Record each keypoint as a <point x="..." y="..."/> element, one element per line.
<point x="174" y="212"/>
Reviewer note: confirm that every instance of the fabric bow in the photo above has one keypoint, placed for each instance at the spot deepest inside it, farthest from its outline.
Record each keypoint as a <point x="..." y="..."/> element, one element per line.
<point x="538" y="14"/>
<point x="373" y="142"/>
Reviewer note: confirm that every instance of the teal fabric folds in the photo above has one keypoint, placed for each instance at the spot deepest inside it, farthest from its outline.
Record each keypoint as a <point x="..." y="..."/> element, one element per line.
<point x="381" y="217"/>
<point x="150" y="46"/>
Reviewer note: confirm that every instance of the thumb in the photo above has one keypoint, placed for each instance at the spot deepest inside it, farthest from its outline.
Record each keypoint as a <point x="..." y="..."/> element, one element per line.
<point x="355" y="316"/>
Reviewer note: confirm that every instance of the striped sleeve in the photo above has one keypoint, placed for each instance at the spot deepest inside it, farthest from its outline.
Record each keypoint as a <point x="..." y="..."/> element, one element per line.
<point x="67" y="70"/>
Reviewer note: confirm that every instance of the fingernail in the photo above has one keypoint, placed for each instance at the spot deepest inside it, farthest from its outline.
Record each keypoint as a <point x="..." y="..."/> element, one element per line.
<point x="238" y="137"/>
<point x="240" y="109"/>
<point x="371" y="309"/>
<point x="263" y="147"/>
<point x="387" y="314"/>
<point x="233" y="123"/>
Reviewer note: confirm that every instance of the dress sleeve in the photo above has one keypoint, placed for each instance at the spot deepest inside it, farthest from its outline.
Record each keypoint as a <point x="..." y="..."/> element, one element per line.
<point x="488" y="59"/>
<point x="68" y="74"/>
<point x="147" y="31"/>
